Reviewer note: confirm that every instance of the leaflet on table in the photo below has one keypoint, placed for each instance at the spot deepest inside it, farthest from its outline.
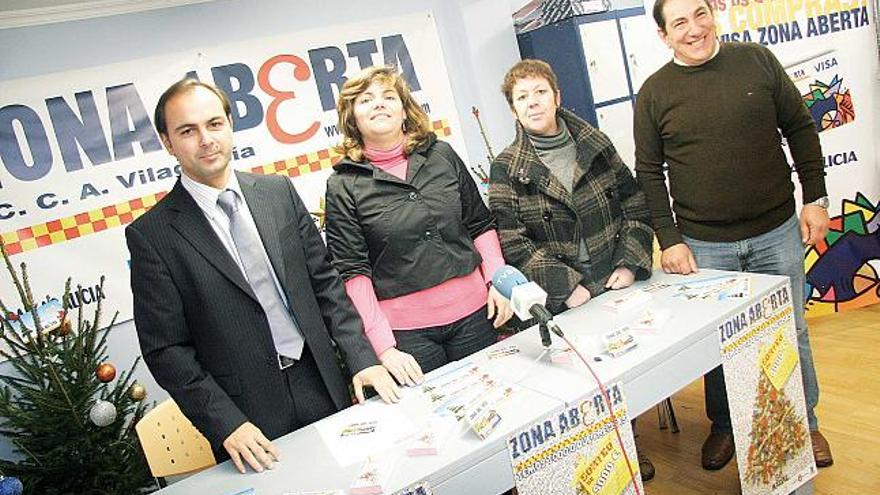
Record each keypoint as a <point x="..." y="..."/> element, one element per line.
<point x="430" y="440"/>
<point x="373" y="476"/>
<point x="469" y="394"/>
<point x="715" y="288"/>
<point x="501" y="352"/>
<point x="614" y="343"/>
<point x="561" y="355"/>
<point x="364" y="430"/>
<point x="619" y="341"/>
<point x="652" y="320"/>
<point x="622" y="340"/>
<point x="588" y="345"/>
<point x="482" y="412"/>
<point x="766" y="395"/>
<point x="575" y="450"/>
<point x="457" y="378"/>
<point x="421" y="488"/>
<point x="655" y="287"/>
<point x="627" y="301"/>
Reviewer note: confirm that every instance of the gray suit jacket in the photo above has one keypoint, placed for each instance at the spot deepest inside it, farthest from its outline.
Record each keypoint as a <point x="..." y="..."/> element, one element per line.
<point x="203" y="333"/>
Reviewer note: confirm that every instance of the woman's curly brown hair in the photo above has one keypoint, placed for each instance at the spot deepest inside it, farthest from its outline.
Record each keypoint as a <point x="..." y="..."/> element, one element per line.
<point x="416" y="126"/>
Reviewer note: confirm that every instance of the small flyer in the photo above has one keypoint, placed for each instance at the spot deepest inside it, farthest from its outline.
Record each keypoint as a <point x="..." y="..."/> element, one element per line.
<point x="766" y="396"/>
<point x="715" y="288"/>
<point x="656" y="287"/>
<point x="360" y="428"/>
<point x="430" y="440"/>
<point x="372" y="478"/>
<point x="627" y="301"/>
<point x="421" y="488"/>
<point x="482" y="415"/>
<point x="619" y="341"/>
<point x="577" y="450"/>
<point x="652" y="320"/>
<point x="501" y="352"/>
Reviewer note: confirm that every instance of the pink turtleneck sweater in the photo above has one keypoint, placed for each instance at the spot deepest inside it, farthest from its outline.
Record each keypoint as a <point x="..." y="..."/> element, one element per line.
<point x="442" y="304"/>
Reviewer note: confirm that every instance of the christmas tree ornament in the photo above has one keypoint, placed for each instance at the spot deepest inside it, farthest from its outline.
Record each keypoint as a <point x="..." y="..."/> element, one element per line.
<point x="137" y="392"/>
<point x="103" y="413"/>
<point x="105" y="372"/>
<point x="64" y="329"/>
<point x="10" y="485"/>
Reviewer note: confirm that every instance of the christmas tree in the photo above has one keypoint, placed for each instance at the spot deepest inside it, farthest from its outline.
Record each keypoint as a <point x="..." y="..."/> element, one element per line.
<point x="777" y="435"/>
<point x="69" y="419"/>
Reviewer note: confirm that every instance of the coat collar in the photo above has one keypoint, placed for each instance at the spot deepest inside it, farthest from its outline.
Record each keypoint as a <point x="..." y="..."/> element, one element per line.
<point x="526" y="167"/>
<point x="415" y="161"/>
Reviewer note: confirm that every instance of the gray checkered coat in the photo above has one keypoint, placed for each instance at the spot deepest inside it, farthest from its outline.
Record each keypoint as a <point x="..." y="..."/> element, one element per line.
<point x="541" y="224"/>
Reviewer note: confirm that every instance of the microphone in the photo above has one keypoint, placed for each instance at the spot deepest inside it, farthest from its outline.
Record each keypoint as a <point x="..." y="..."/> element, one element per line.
<point x="527" y="300"/>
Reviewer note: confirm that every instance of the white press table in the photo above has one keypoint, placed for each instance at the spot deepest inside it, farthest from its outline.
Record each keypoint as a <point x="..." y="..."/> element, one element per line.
<point x="662" y="363"/>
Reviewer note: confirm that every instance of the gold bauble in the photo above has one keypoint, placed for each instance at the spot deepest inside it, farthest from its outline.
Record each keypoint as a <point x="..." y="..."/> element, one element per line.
<point x="137" y="392"/>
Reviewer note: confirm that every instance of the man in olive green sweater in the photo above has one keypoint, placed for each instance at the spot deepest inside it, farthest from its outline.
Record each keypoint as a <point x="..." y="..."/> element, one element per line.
<point x="714" y="115"/>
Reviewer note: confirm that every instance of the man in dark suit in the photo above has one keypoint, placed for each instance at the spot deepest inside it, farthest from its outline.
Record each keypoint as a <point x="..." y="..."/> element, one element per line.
<point x="236" y="305"/>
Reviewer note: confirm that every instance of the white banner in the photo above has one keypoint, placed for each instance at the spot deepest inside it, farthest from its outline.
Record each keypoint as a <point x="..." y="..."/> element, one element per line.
<point x="80" y="157"/>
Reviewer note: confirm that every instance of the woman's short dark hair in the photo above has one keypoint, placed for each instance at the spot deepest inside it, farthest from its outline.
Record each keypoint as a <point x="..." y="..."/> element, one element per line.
<point x="529" y="67"/>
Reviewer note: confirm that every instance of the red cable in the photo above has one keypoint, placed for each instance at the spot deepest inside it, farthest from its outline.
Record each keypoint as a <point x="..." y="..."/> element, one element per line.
<point x="604" y="392"/>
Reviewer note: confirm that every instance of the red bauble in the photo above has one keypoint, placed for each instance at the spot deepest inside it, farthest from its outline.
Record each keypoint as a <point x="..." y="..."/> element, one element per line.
<point x="105" y="372"/>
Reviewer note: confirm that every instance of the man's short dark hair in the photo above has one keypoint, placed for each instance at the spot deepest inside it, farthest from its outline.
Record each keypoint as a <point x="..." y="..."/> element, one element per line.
<point x="181" y="87"/>
<point x="658" y="13"/>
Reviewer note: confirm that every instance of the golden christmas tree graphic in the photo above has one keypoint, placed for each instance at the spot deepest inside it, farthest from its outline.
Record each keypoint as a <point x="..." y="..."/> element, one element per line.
<point x="777" y="435"/>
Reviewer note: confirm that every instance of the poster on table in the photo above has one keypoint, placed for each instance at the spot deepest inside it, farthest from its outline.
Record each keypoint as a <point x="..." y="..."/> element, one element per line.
<point x="577" y="450"/>
<point x="829" y="50"/>
<point x="80" y="158"/>
<point x="766" y="395"/>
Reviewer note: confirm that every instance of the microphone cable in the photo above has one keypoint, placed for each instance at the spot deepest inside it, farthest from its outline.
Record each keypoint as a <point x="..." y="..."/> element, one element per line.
<point x="607" y="400"/>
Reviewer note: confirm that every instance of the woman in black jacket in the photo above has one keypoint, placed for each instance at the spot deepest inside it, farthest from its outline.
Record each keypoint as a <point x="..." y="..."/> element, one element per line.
<point x="409" y="233"/>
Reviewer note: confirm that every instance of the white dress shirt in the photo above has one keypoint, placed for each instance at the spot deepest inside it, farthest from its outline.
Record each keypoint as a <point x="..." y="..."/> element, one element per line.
<point x="206" y="197"/>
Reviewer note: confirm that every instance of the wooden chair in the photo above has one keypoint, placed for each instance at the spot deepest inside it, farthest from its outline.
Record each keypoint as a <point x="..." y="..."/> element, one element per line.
<point x="171" y="444"/>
